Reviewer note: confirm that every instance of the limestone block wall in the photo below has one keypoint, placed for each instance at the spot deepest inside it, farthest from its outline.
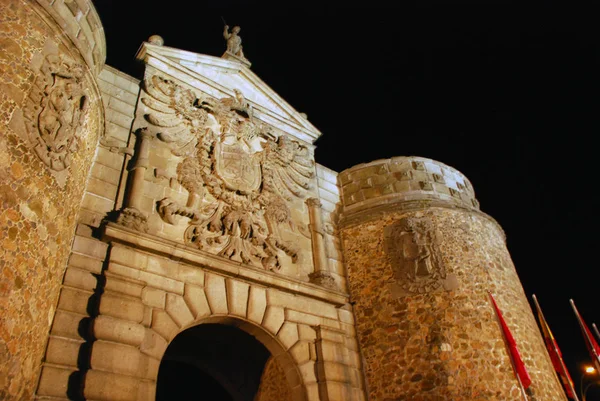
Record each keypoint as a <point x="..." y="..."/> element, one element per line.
<point x="106" y="183"/>
<point x="122" y="304"/>
<point x="419" y="272"/>
<point x="70" y="337"/>
<point x="51" y="118"/>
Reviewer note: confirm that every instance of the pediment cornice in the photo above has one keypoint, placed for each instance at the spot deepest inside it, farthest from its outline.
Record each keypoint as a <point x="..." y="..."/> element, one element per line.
<point x="219" y="77"/>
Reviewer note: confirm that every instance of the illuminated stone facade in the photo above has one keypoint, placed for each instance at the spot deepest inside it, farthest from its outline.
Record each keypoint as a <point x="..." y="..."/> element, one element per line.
<point x="421" y="259"/>
<point x="135" y="211"/>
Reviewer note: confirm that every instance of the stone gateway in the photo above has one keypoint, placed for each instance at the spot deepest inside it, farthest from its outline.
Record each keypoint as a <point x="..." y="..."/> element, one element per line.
<point x="174" y="237"/>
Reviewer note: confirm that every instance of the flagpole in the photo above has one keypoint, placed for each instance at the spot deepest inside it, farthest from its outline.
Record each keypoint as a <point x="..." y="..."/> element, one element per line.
<point x="523" y="393"/>
<point x="596" y="330"/>
<point x="512" y="362"/>
<point x="556" y="351"/>
<point x="587" y="336"/>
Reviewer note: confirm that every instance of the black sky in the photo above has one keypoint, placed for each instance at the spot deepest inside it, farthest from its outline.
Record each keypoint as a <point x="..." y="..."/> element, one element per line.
<point x="508" y="95"/>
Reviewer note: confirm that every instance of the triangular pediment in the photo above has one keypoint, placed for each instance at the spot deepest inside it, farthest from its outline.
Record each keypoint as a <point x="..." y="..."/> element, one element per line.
<point x="219" y="77"/>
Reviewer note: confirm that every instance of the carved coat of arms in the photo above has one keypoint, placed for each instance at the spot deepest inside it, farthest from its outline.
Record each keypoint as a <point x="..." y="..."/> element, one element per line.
<point x="239" y="173"/>
<point x="239" y="169"/>
<point x="412" y="246"/>
<point x="53" y="120"/>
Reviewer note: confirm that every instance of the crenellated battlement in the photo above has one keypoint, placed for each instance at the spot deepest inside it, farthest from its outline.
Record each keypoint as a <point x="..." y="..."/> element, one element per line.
<point x="385" y="183"/>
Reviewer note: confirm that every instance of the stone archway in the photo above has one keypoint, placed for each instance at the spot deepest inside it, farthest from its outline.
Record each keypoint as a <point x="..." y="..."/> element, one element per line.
<point x="284" y="374"/>
<point x="112" y="329"/>
<point x="141" y="314"/>
<point x="222" y="362"/>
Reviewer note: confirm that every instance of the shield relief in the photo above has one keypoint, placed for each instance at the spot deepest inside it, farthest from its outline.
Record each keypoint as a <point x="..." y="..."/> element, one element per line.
<point x="237" y="167"/>
<point x="412" y="247"/>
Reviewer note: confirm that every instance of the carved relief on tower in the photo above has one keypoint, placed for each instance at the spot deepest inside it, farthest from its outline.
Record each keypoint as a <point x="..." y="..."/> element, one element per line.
<point x="240" y="174"/>
<point x="56" y="111"/>
<point x="412" y="246"/>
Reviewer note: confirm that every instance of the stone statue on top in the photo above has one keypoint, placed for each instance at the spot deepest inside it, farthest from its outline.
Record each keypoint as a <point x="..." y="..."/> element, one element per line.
<point x="234" y="44"/>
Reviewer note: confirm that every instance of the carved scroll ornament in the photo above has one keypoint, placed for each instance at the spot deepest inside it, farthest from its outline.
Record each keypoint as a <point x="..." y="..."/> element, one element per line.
<point x="238" y="174"/>
<point x="58" y="107"/>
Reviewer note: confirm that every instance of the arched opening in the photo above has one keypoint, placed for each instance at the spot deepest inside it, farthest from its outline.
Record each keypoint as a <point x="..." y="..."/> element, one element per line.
<point x="219" y="362"/>
<point x="222" y="362"/>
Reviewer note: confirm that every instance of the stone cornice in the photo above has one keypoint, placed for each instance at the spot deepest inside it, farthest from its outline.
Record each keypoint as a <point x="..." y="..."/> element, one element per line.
<point x="365" y="216"/>
<point x="170" y="61"/>
<point x="184" y="254"/>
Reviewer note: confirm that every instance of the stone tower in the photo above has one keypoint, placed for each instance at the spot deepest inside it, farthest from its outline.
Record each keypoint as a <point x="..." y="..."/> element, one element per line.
<point x="420" y="258"/>
<point x="51" y="117"/>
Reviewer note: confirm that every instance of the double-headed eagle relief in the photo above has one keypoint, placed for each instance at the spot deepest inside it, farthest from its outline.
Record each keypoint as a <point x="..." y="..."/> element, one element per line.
<point x="240" y="174"/>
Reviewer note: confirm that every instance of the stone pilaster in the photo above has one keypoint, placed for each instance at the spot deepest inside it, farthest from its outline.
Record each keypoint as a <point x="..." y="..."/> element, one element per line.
<point x="132" y="215"/>
<point x="321" y="275"/>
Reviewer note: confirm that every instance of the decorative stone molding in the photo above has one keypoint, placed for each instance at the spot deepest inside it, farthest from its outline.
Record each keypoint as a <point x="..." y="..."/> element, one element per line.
<point x="115" y="147"/>
<point x="223" y="73"/>
<point x="156" y="40"/>
<point x="132" y="218"/>
<point x="201" y="260"/>
<point x="323" y="278"/>
<point x="57" y="110"/>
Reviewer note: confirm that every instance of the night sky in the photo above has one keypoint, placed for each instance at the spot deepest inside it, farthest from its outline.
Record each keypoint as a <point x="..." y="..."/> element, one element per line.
<point x="506" y="95"/>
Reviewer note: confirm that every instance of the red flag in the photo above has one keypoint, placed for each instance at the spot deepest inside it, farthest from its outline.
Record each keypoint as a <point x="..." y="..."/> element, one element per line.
<point x="518" y="364"/>
<point x="555" y="354"/>
<point x="590" y="342"/>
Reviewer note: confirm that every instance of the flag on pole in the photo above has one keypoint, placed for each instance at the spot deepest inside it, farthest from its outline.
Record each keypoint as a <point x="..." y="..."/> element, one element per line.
<point x="590" y="342"/>
<point x="555" y="354"/>
<point x="520" y="370"/>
